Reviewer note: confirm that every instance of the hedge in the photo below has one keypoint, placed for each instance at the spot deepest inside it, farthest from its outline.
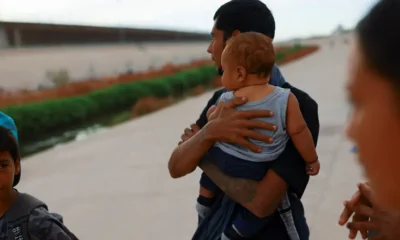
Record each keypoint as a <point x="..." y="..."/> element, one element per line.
<point x="282" y="54"/>
<point x="41" y="118"/>
<point x="53" y="115"/>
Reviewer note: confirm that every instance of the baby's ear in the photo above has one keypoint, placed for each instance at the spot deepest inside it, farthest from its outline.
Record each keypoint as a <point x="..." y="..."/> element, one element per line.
<point x="241" y="73"/>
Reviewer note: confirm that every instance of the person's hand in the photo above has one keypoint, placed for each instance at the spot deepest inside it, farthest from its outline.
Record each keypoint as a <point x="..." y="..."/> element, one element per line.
<point x="368" y="216"/>
<point x="236" y="127"/>
<point x="313" y="168"/>
<point x="211" y="113"/>
<point x="189" y="132"/>
<point x="348" y="212"/>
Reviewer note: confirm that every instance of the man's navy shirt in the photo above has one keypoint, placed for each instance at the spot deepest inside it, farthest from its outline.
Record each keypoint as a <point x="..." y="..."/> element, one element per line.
<point x="289" y="166"/>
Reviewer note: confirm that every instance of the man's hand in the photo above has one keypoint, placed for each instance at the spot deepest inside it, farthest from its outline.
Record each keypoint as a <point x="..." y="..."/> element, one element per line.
<point x="368" y="216"/>
<point x="229" y="126"/>
<point x="236" y="127"/>
<point x="211" y="113"/>
<point x="188" y="133"/>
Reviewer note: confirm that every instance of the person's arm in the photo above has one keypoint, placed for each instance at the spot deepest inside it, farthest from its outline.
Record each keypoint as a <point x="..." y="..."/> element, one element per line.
<point x="186" y="156"/>
<point x="229" y="126"/>
<point x="177" y="167"/>
<point x="298" y="130"/>
<point x="43" y="225"/>
<point x="262" y="198"/>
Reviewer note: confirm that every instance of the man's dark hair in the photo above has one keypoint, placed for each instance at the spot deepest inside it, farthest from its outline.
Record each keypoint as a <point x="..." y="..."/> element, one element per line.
<point x="379" y="38"/>
<point x="245" y="16"/>
<point x="9" y="144"/>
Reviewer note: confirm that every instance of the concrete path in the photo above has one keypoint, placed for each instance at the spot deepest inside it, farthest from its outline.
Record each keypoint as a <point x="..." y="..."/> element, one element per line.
<point x="115" y="184"/>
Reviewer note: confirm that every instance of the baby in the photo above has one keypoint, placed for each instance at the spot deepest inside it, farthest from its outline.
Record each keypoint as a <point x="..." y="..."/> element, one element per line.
<point x="247" y="61"/>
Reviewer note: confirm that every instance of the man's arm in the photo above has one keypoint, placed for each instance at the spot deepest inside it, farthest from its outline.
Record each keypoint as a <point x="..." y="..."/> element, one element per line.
<point x="198" y="143"/>
<point x="229" y="126"/>
<point x="262" y="198"/>
<point x="185" y="158"/>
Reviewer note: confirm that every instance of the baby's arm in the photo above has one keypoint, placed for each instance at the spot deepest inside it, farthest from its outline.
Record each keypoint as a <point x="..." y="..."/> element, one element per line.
<point x="299" y="132"/>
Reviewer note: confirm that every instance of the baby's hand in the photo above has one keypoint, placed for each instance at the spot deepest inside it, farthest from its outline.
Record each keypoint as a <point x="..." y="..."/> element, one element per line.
<point x="313" y="168"/>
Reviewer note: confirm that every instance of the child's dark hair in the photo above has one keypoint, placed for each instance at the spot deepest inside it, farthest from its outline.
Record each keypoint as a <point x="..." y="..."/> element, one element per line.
<point x="8" y="143"/>
<point x="379" y="37"/>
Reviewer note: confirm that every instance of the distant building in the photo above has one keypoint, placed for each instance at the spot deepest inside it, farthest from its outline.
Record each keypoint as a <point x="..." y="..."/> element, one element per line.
<point x="340" y="35"/>
<point x="17" y="34"/>
<point x="3" y="37"/>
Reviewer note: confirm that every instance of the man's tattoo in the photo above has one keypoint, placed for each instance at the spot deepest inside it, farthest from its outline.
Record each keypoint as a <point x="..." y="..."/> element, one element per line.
<point x="240" y="190"/>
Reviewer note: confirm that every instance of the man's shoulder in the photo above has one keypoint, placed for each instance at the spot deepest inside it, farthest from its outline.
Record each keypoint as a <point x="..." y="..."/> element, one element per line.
<point x="217" y="94"/>
<point x="305" y="100"/>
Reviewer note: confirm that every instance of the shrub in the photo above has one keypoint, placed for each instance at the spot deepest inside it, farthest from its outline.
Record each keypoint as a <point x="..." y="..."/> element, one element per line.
<point x="58" y="78"/>
<point x="281" y="54"/>
<point x="159" y="87"/>
<point x="41" y="118"/>
<point x="35" y="119"/>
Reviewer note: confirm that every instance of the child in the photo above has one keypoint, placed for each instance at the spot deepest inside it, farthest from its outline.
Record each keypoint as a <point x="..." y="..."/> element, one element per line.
<point x="247" y="61"/>
<point x="22" y="215"/>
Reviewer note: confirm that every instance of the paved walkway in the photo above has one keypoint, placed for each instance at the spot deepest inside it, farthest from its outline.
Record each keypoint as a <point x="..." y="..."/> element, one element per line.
<point x="115" y="184"/>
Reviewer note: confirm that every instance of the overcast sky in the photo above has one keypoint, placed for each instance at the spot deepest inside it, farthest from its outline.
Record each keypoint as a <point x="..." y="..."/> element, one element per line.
<point x="294" y="18"/>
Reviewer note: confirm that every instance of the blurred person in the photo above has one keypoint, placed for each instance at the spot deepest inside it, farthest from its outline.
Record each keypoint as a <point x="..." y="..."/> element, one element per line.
<point x="22" y="215"/>
<point x="277" y="195"/>
<point x="374" y="90"/>
<point x="247" y="61"/>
